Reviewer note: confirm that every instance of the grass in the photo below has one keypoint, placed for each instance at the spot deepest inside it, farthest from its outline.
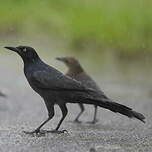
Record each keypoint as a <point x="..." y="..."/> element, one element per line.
<point x="125" y="25"/>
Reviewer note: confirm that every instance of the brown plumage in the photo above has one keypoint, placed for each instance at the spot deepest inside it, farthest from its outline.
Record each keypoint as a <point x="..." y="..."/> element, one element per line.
<point x="76" y="71"/>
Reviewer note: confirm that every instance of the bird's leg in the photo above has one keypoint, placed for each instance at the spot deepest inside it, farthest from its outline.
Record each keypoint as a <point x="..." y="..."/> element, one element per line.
<point x="37" y="130"/>
<point x="82" y="110"/>
<point x="95" y="115"/>
<point x="64" y="113"/>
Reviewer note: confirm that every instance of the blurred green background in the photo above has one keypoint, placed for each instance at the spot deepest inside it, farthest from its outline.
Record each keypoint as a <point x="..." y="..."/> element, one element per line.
<point x="107" y="31"/>
<point x="122" y="25"/>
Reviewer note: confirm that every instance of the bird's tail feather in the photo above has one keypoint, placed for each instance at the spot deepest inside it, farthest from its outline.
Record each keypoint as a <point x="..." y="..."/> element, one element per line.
<point x="118" y="108"/>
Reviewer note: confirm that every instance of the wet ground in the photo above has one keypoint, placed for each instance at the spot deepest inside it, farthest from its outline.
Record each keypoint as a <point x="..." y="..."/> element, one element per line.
<point x="23" y="110"/>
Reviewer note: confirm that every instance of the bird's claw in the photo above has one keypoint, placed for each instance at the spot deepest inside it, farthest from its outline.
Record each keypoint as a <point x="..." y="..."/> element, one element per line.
<point x="42" y="132"/>
<point x="37" y="131"/>
<point x="55" y="131"/>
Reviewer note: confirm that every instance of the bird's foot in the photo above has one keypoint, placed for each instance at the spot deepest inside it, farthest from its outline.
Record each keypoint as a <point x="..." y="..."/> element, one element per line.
<point x="93" y="122"/>
<point x="42" y="132"/>
<point x="37" y="131"/>
<point x="54" y="131"/>
<point x="77" y="121"/>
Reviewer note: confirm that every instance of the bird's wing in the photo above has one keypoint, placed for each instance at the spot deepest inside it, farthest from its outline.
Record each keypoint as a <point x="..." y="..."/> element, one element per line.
<point x="87" y="81"/>
<point x="59" y="82"/>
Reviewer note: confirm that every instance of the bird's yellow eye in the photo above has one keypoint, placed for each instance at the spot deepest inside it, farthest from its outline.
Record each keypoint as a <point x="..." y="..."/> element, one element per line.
<point x="24" y="50"/>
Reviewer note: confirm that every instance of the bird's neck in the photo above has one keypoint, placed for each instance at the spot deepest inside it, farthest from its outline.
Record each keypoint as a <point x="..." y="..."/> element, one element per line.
<point x="73" y="71"/>
<point x="32" y="65"/>
<point x="29" y="61"/>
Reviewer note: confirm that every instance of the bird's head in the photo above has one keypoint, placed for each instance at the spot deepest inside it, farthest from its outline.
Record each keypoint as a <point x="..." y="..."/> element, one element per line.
<point x="71" y="62"/>
<point x="27" y="53"/>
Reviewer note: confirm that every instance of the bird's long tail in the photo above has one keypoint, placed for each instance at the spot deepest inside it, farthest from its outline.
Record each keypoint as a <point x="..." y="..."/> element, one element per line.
<point x="118" y="108"/>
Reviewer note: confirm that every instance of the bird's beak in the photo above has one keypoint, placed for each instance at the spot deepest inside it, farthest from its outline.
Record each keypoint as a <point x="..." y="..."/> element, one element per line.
<point x="15" y="49"/>
<point x="61" y="59"/>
